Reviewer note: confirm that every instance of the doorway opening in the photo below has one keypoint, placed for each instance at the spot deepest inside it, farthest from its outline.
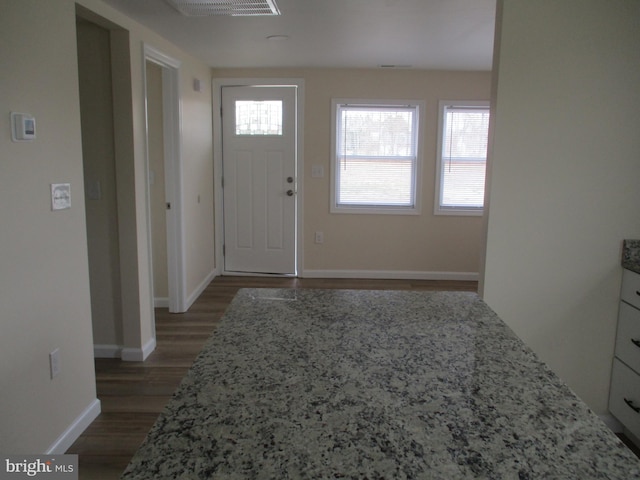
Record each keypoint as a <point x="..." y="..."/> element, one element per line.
<point x="107" y="125"/>
<point x="101" y="203"/>
<point x="164" y="181"/>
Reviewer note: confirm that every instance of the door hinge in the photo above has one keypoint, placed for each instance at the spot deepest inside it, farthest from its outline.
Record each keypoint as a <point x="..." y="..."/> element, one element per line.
<point x="221" y="112"/>
<point x="222" y="181"/>
<point x="168" y="205"/>
<point x="224" y="250"/>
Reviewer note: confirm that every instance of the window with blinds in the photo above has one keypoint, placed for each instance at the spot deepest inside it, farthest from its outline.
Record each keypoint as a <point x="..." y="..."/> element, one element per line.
<point x="462" y="158"/>
<point x="376" y="157"/>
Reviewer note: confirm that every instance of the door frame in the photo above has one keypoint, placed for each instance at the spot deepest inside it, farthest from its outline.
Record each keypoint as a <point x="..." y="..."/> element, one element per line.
<point x="218" y="83"/>
<point x="172" y="120"/>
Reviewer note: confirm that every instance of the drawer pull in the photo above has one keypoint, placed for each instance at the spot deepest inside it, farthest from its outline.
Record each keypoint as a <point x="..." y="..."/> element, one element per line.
<point x="635" y="342"/>
<point x="632" y="406"/>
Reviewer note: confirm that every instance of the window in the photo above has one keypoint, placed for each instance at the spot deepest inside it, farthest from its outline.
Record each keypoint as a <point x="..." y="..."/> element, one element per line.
<point x="376" y="156"/>
<point x="255" y="117"/>
<point x="462" y="158"/>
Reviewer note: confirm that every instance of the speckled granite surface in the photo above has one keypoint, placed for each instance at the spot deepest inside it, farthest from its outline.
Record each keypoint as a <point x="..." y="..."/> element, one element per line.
<point x="631" y="255"/>
<point x="318" y="384"/>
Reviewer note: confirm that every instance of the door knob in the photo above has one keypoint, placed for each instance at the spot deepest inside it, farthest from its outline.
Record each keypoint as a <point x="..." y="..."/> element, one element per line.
<point x="290" y="193"/>
<point x="289" y="179"/>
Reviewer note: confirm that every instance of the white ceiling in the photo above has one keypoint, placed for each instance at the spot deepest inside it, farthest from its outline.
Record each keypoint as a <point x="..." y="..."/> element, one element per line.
<point x="423" y="34"/>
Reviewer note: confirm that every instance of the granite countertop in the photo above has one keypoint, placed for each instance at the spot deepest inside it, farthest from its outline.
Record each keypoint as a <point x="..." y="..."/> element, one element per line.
<point x="317" y="384"/>
<point x="631" y="255"/>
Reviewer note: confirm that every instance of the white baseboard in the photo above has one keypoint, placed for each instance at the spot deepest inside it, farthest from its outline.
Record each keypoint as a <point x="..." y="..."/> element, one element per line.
<point x="391" y="275"/>
<point x="611" y="422"/>
<point x="107" y="351"/>
<point x="73" y="431"/>
<point x="257" y="274"/>
<point x="161" y="302"/>
<point x="139" y="354"/>
<point x="126" y="354"/>
<point x="200" y="288"/>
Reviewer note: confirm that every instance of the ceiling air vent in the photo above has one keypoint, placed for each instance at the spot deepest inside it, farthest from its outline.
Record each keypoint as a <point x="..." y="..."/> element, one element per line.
<point x="205" y="8"/>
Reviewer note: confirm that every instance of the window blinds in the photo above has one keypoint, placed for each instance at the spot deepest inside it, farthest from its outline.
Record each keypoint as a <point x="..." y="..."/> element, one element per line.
<point x="463" y="156"/>
<point x="376" y="154"/>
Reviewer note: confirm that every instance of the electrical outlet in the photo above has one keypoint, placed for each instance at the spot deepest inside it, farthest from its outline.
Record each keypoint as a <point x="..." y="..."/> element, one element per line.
<point x="54" y="363"/>
<point x="319" y="237"/>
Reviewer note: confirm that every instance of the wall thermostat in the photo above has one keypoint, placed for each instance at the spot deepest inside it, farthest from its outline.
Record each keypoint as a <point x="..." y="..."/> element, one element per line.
<point x="23" y="127"/>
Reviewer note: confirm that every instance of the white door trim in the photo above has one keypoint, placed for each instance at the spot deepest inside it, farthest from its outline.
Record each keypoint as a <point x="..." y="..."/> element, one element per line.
<point x="218" y="83"/>
<point x="173" y="177"/>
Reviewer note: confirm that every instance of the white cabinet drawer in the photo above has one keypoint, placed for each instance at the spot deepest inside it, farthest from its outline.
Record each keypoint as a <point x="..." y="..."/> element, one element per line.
<point x="631" y="288"/>
<point x="628" y="336"/>
<point x="624" y="399"/>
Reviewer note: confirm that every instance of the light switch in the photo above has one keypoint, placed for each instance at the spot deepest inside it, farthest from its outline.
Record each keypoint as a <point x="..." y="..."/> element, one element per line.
<point x="95" y="190"/>
<point x="55" y="366"/>
<point x="317" y="171"/>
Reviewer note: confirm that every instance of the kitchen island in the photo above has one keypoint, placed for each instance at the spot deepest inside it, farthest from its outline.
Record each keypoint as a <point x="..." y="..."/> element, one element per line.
<point x="631" y="255"/>
<point x="374" y="384"/>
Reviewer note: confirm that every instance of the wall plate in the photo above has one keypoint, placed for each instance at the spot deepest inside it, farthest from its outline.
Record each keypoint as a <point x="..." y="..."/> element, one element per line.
<point x="60" y="196"/>
<point x="23" y="127"/>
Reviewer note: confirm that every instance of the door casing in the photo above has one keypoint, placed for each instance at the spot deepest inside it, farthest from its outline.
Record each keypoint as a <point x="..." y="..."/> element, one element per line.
<point x="173" y="178"/>
<point x="218" y="83"/>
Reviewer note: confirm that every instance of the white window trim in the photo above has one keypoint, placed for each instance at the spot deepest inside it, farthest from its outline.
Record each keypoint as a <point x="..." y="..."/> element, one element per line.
<point x="379" y="210"/>
<point x="437" y="209"/>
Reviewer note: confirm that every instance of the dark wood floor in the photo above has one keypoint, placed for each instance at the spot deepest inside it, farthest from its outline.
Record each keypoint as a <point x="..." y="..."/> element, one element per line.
<point x="132" y="394"/>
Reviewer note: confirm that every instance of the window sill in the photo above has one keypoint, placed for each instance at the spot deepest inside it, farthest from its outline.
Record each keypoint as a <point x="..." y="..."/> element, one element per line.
<point x="459" y="212"/>
<point x="372" y="210"/>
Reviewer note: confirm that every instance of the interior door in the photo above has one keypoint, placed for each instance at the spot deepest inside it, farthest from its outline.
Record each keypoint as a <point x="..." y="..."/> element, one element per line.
<point x="259" y="178"/>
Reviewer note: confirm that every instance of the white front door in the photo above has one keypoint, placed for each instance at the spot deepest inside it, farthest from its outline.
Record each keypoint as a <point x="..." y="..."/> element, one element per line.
<point x="259" y="175"/>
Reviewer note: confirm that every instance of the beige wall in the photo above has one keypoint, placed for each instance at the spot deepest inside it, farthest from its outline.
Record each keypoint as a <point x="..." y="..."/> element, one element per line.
<point x="197" y="154"/>
<point x="564" y="182"/>
<point x="44" y="281"/>
<point x="393" y="243"/>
